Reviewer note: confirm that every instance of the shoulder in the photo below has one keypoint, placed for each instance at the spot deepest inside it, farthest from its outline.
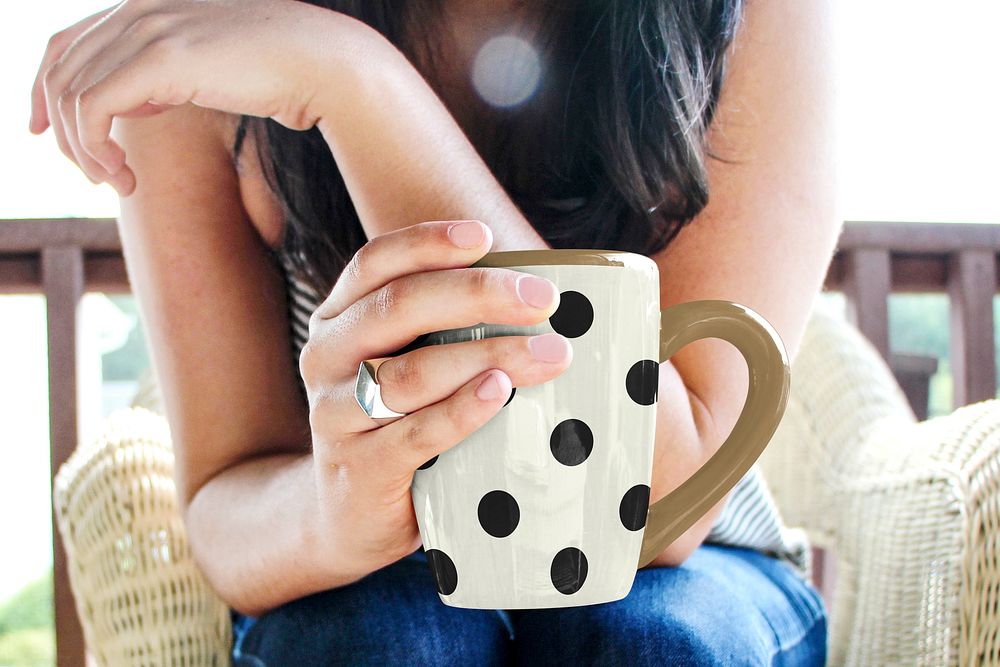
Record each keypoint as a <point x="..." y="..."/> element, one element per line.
<point x="768" y="231"/>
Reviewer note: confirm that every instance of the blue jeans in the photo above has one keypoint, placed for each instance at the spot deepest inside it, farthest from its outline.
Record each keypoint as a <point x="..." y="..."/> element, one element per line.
<point x="723" y="606"/>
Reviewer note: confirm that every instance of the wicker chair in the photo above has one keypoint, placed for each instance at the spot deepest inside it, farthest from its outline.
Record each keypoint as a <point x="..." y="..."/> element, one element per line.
<point x="909" y="509"/>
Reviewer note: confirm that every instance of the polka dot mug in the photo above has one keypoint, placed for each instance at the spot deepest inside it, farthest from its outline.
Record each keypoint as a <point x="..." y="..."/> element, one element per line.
<point x="547" y="504"/>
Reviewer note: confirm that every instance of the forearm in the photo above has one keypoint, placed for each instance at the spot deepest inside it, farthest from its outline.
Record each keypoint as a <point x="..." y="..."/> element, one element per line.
<point x="402" y="155"/>
<point x="253" y="532"/>
<point x="405" y="159"/>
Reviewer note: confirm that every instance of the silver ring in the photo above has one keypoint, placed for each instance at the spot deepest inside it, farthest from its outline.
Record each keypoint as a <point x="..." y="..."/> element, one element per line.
<point x="369" y="393"/>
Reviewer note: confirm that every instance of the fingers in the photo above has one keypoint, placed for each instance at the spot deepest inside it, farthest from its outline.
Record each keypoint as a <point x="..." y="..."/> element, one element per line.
<point x="416" y="379"/>
<point x="145" y="77"/>
<point x="408" y="443"/>
<point x="117" y="66"/>
<point x="100" y="158"/>
<point x="105" y="48"/>
<point x="421" y="247"/>
<point x="431" y="374"/>
<point x="406" y="308"/>
<point x="81" y="63"/>
<point x="87" y="129"/>
<point x="57" y="45"/>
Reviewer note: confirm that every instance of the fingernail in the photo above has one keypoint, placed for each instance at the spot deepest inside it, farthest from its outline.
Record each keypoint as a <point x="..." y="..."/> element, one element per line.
<point x="550" y="347"/>
<point x="467" y="234"/>
<point x="535" y="291"/>
<point x="489" y="389"/>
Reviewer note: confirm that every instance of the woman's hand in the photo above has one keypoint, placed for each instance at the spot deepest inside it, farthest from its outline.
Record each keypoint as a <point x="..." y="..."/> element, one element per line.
<point x="398" y="286"/>
<point x="254" y="57"/>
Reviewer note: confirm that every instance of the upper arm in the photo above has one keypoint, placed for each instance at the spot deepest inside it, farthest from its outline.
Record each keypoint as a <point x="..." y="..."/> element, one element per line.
<point x="212" y="300"/>
<point x="766" y="237"/>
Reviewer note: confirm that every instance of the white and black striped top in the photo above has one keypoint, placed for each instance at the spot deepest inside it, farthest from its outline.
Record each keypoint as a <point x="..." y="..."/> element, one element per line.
<point x="750" y="518"/>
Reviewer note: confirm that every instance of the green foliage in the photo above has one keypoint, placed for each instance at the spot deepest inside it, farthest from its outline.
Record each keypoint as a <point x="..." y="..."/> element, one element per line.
<point x="939" y="393"/>
<point x="34" y="647"/>
<point x="31" y="607"/>
<point x="27" y="638"/>
<point x="128" y="361"/>
<point x="918" y="324"/>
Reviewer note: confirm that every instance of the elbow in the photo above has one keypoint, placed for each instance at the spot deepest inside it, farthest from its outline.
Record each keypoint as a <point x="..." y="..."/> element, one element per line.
<point x="212" y="567"/>
<point x="681" y="549"/>
<point x="197" y="527"/>
<point x="678" y="552"/>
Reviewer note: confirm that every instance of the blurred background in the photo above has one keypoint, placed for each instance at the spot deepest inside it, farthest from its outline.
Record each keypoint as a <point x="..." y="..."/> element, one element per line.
<point x="918" y="144"/>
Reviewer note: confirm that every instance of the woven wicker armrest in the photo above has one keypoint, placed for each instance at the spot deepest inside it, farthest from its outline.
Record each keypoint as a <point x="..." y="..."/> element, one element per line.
<point x="910" y="511"/>
<point x="915" y="520"/>
<point x="140" y="597"/>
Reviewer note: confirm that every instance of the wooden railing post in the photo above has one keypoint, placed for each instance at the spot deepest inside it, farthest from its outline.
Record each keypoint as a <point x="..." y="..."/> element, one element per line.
<point x="972" y="282"/>
<point x="63" y="284"/>
<point x="867" y="283"/>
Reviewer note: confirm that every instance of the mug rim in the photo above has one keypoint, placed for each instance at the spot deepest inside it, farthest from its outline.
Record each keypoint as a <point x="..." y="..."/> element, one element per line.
<point x="565" y="256"/>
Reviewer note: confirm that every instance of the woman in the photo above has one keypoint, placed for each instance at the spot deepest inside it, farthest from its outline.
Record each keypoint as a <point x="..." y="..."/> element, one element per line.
<point x="385" y="156"/>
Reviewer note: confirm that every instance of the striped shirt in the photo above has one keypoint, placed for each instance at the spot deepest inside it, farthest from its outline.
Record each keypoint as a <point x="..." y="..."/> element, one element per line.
<point x="749" y="519"/>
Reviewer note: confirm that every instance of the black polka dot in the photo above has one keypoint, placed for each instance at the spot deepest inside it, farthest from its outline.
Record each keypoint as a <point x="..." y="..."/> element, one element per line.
<point x="633" y="507"/>
<point x="571" y="442"/>
<point x="443" y="570"/>
<point x="428" y="464"/>
<point x="569" y="570"/>
<point x="511" y="397"/>
<point x="574" y="315"/>
<point x="642" y="380"/>
<point x="499" y="513"/>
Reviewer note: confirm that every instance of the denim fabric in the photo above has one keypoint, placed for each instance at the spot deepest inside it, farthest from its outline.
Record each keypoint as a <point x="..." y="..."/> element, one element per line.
<point x="723" y="606"/>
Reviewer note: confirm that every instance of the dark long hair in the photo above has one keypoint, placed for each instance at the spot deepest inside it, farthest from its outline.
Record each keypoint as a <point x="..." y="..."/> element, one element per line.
<point x="618" y="125"/>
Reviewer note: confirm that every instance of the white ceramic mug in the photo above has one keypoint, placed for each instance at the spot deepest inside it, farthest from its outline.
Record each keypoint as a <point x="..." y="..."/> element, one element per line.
<point x="547" y="504"/>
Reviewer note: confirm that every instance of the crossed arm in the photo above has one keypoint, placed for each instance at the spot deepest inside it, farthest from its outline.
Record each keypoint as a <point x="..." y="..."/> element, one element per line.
<point x="764" y="240"/>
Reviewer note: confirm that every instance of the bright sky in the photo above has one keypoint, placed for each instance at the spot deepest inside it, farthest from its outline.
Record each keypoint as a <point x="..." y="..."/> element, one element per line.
<point x="919" y="142"/>
<point x="920" y="139"/>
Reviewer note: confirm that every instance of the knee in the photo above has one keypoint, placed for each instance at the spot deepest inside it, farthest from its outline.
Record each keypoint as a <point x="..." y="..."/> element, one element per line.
<point x="677" y="633"/>
<point x="305" y="631"/>
<point x="654" y="626"/>
<point x="682" y="633"/>
<point x="392" y="618"/>
<point x="692" y="621"/>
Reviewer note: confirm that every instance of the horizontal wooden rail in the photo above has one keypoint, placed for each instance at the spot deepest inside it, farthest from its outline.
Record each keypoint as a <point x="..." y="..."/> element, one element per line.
<point x="22" y="243"/>
<point x="64" y="258"/>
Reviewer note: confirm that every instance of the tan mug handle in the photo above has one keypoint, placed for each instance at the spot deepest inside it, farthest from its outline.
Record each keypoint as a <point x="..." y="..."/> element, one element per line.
<point x="767" y="395"/>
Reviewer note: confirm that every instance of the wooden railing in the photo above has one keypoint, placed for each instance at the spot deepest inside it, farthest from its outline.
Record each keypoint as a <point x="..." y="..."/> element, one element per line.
<point x="875" y="259"/>
<point x="63" y="258"/>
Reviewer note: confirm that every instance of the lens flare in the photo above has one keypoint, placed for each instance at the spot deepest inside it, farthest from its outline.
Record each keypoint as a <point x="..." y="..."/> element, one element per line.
<point x="506" y="70"/>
